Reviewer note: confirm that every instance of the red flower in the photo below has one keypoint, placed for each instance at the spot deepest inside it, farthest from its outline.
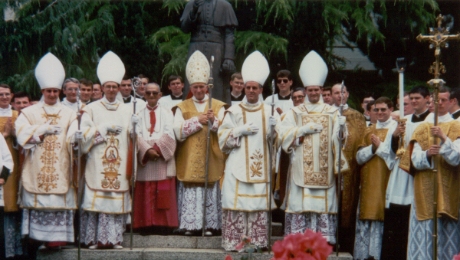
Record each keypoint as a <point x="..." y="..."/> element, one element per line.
<point x="228" y="257"/>
<point x="244" y="241"/>
<point x="457" y="257"/>
<point x="309" y="245"/>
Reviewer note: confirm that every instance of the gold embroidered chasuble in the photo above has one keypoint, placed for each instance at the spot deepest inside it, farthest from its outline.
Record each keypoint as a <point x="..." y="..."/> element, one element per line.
<point x="106" y="164"/>
<point x="311" y="185"/>
<point x="448" y="176"/>
<point x="374" y="179"/>
<point x="46" y="163"/>
<point x="191" y="154"/>
<point x="245" y="184"/>
<point x="356" y="125"/>
<point x="10" y="189"/>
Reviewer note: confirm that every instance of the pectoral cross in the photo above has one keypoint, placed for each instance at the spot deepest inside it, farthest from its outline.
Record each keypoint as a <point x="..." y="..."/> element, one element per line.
<point x="438" y="39"/>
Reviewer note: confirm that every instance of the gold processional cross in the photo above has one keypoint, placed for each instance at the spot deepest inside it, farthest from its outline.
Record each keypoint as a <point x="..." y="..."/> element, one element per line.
<point x="438" y="39"/>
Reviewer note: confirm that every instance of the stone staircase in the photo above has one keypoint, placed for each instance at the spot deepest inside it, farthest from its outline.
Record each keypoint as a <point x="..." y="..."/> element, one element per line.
<point x="166" y="248"/>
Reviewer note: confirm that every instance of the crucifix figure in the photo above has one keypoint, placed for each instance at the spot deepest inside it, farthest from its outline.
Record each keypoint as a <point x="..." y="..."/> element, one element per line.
<point x="438" y="38"/>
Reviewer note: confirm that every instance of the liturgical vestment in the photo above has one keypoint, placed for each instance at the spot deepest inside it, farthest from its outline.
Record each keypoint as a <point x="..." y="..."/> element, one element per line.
<point x="311" y="200"/>
<point x="47" y="193"/>
<point x="245" y="188"/>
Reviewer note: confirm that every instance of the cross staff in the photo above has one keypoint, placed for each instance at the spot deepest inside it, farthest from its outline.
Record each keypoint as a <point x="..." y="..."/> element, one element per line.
<point x="438" y="39"/>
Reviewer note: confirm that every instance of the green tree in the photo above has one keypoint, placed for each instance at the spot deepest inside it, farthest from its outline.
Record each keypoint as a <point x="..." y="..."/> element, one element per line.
<point x="147" y="35"/>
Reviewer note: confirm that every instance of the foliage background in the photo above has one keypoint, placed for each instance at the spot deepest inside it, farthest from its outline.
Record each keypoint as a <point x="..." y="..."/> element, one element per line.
<point x="147" y="37"/>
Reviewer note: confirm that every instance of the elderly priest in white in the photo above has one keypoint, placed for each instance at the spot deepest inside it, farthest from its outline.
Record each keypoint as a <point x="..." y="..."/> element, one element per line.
<point x="309" y="133"/>
<point x="47" y="195"/>
<point x="105" y="126"/>
<point x="243" y="136"/>
<point x="190" y="127"/>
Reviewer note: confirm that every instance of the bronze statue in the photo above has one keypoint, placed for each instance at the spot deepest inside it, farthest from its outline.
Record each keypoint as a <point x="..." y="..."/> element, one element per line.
<point x="212" y="25"/>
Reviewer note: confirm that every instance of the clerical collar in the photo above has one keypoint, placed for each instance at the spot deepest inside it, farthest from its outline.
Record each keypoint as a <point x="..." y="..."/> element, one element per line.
<point x="7" y="112"/>
<point x="127" y="99"/>
<point x="200" y="101"/>
<point x="110" y="105"/>
<point x="368" y="118"/>
<point x="420" y="117"/>
<point x="152" y="108"/>
<point x="177" y="97"/>
<point x="456" y="114"/>
<point x="67" y="102"/>
<point x="384" y="124"/>
<point x="280" y="97"/>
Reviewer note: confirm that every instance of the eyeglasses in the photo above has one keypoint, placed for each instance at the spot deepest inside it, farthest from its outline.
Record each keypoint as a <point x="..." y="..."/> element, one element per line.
<point x="381" y="109"/>
<point x="151" y="93"/>
<point x="282" y="81"/>
<point x="298" y="97"/>
<point x="5" y="94"/>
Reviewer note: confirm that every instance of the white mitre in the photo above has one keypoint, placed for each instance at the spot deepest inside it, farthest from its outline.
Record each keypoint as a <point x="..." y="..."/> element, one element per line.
<point x="197" y="69"/>
<point x="110" y="68"/>
<point x="313" y="70"/>
<point x="255" y="68"/>
<point x="49" y="72"/>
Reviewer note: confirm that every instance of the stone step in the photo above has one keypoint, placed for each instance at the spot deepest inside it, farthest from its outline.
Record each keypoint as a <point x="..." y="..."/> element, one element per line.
<point x="158" y="254"/>
<point x="196" y="242"/>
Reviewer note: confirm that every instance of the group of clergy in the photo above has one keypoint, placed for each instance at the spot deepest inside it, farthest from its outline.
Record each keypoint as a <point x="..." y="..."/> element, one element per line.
<point x="206" y="165"/>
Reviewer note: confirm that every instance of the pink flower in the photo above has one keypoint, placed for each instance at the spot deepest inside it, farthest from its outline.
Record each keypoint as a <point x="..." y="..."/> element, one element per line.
<point x="228" y="257"/>
<point x="457" y="257"/>
<point x="309" y="245"/>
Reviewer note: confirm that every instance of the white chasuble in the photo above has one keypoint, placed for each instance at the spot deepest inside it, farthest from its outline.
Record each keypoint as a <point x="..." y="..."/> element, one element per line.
<point x="314" y="158"/>
<point x="46" y="161"/>
<point x="107" y="186"/>
<point x="246" y="179"/>
<point x="46" y="168"/>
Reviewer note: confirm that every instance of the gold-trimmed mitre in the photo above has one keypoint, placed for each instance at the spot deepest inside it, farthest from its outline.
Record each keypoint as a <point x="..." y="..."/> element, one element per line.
<point x="313" y="70"/>
<point x="255" y="68"/>
<point x="110" y="68"/>
<point x="49" y="72"/>
<point x="197" y="69"/>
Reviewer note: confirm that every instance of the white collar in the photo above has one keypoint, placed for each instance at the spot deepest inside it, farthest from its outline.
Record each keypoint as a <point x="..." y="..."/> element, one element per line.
<point x="6" y="112"/>
<point x="384" y="124"/>
<point x="200" y="101"/>
<point x="345" y="106"/>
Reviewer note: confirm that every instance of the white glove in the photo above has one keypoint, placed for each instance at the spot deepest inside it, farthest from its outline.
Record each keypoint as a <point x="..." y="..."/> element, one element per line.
<point x="43" y="129"/>
<point x="134" y="119"/>
<point x="310" y="128"/>
<point x="114" y="129"/>
<point x="272" y="121"/>
<point x="342" y="120"/>
<point x="247" y="129"/>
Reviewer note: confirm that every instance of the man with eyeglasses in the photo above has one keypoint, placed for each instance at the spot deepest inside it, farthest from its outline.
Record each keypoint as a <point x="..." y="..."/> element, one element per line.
<point x="48" y="196"/>
<point x="126" y="88"/>
<point x="237" y="84"/>
<point x="422" y="158"/>
<point x="176" y="86"/>
<point x="104" y="135"/>
<point x="10" y="219"/>
<point x="377" y="156"/>
<point x="400" y="188"/>
<point x="283" y="101"/>
<point x="156" y="171"/>
<point x="70" y="89"/>
<point x="356" y="125"/>
<point x="191" y="121"/>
